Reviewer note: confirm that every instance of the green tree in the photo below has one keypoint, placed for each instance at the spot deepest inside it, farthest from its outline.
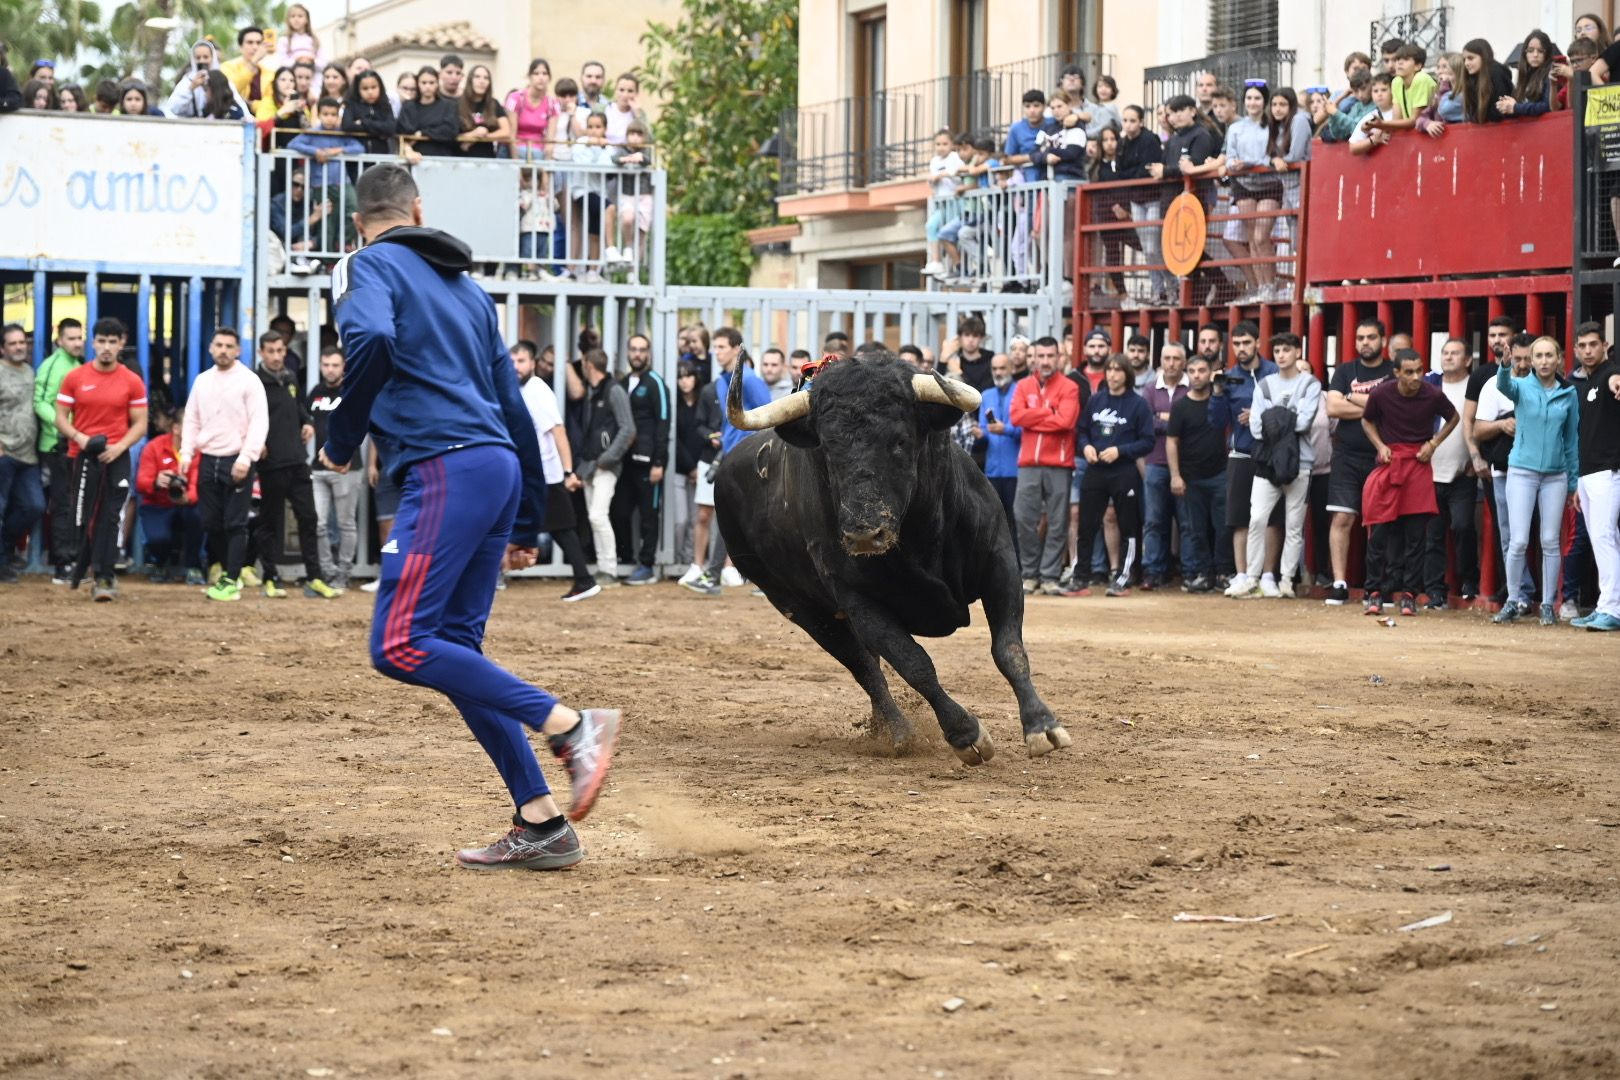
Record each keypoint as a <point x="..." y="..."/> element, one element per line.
<point x="47" y="30"/>
<point x="726" y="71"/>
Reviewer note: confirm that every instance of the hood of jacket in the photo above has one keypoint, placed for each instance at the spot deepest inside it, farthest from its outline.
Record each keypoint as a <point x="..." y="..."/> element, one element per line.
<point x="442" y="251"/>
<point x="213" y="62"/>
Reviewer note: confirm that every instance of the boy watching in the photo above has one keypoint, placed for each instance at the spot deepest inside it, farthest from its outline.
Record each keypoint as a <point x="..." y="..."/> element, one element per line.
<point x="328" y="178"/>
<point x="1345" y="114"/>
<point x="1373" y="129"/>
<point x="1413" y="88"/>
<point x="1022" y="137"/>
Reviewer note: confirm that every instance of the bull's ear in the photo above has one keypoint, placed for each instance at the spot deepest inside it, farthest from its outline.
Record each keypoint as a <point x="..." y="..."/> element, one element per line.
<point x="800" y="433"/>
<point x="938" y="417"/>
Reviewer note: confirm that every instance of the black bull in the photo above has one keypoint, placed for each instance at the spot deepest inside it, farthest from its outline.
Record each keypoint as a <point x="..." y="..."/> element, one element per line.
<point x="868" y="527"/>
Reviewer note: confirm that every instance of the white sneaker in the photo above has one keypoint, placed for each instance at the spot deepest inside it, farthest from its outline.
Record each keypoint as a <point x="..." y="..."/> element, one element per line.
<point x="612" y="256"/>
<point x="691" y="575"/>
<point x="1241" y="583"/>
<point x="1285" y="589"/>
<point x="1569" y="611"/>
<point x="731" y="576"/>
<point x="1269" y="590"/>
<point x="593" y="278"/>
<point x="933" y="269"/>
<point x="371" y="586"/>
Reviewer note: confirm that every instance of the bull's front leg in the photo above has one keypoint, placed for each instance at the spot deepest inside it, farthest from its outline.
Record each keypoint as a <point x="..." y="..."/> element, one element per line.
<point x="1004" y="610"/>
<point x="880" y="632"/>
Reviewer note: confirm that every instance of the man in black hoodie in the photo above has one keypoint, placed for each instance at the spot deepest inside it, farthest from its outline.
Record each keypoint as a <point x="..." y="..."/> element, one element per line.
<point x="641" y="484"/>
<point x="609" y="431"/>
<point x="284" y="474"/>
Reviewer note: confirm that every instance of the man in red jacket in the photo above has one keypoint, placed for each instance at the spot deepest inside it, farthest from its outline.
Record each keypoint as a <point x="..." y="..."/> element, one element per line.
<point x="1045" y="405"/>
<point x="168" y="512"/>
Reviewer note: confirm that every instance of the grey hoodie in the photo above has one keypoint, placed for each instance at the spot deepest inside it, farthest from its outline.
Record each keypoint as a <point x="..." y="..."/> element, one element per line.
<point x="191" y="101"/>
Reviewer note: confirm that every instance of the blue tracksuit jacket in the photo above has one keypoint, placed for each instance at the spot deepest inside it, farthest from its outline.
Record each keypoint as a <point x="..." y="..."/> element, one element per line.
<point x="426" y="369"/>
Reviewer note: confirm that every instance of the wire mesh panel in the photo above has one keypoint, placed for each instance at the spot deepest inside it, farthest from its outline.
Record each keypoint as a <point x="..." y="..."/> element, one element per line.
<point x="1426" y="28"/>
<point x="1230" y="68"/>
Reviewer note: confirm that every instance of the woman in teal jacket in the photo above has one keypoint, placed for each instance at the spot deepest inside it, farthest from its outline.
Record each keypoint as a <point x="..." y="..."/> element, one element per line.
<point x="1542" y="470"/>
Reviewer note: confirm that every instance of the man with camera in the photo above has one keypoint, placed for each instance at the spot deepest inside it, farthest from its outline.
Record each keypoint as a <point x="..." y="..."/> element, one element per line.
<point x="101" y="410"/>
<point x="168" y="509"/>
<point x="225" y="424"/>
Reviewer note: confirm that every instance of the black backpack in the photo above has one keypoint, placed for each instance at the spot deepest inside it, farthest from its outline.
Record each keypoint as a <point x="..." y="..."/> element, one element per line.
<point x="1276" y="458"/>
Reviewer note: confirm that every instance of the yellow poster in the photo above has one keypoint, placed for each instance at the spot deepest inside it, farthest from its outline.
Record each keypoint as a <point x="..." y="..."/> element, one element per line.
<point x="1603" y="106"/>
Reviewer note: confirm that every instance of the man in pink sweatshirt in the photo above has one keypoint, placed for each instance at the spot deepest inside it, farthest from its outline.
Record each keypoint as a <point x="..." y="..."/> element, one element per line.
<point x="226" y="422"/>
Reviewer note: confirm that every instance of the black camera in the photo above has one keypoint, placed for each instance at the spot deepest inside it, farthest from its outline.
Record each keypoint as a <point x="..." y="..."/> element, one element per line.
<point x="1233" y="378"/>
<point x="177" y="487"/>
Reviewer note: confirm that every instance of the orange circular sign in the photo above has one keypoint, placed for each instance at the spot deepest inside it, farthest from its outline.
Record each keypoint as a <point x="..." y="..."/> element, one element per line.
<point x="1183" y="235"/>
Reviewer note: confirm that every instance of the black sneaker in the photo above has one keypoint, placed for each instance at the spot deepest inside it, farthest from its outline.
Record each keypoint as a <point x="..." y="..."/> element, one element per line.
<point x="1408" y="604"/>
<point x="1436" y="602"/>
<point x="1199" y="584"/>
<point x="587" y="750"/>
<point x="1151" y="582"/>
<point x="104" y="591"/>
<point x="1373" y="604"/>
<point x="62" y="574"/>
<point x="525" y="847"/>
<point x="1338" y="596"/>
<point x="581" y="592"/>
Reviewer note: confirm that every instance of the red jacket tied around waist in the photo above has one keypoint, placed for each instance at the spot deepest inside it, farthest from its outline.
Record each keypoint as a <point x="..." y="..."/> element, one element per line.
<point x="1404" y="486"/>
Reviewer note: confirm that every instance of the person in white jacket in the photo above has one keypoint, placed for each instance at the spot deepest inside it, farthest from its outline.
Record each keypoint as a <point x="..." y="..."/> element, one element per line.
<point x="190" y="96"/>
<point x="1293" y="386"/>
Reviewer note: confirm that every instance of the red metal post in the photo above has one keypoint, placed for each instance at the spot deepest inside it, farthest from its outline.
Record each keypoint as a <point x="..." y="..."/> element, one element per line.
<point x="1317" y="348"/>
<point x="1116" y="329"/>
<point x="1175" y="324"/>
<point x="1495" y="307"/>
<point x="1534" y="315"/>
<point x="1457" y="318"/>
<point x="1386" y="315"/>
<point x="1347" y="331"/>
<point x="1420" y="328"/>
<point x="1266" y="321"/>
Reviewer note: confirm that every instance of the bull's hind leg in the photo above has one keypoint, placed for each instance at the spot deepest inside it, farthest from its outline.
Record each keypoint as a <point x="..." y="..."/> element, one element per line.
<point x="835" y="636"/>
<point x="1004" y="609"/>
<point x="878" y="629"/>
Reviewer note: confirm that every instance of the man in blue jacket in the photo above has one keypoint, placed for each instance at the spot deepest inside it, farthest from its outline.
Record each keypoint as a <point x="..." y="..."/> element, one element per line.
<point x="1239" y="382"/>
<point x="428" y="374"/>
<point x="1002" y="439"/>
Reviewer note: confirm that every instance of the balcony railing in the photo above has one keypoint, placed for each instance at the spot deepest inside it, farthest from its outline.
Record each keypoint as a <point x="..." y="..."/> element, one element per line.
<point x="1426" y="28"/>
<point x="1006" y="239"/>
<point x="856" y="141"/>
<point x="1231" y="68"/>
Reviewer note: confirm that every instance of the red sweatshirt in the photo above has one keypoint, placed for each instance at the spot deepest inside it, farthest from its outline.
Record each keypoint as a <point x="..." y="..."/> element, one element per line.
<point x="159" y="457"/>
<point x="1047" y="413"/>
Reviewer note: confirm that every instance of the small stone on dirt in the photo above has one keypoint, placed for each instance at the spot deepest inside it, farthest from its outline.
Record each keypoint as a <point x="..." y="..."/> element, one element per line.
<point x="950" y="1005"/>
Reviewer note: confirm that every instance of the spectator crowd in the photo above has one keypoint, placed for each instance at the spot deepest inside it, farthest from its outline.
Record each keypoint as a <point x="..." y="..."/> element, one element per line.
<point x="585" y="204"/>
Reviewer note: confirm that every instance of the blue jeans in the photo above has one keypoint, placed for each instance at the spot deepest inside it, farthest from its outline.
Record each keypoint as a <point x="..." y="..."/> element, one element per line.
<point x="22" y="501"/>
<point x="1580" y="553"/>
<point x="1527" y="492"/>
<point x="1160" y="507"/>
<point x="1504" y="529"/>
<point x="1203" y="511"/>
<point x="171" y="531"/>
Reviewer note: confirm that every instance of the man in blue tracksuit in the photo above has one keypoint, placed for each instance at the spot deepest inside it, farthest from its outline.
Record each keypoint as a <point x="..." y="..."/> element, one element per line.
<point x="429" y="375"/>
<point x="1002" y="439"/>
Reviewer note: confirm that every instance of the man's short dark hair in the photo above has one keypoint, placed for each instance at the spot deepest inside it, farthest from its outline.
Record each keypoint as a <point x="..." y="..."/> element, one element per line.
<point x="1522" y="340"/>
<point x="1362" y="77"/>
<point x="527" y="346"/>
<point x="1403" y="355"/>
<point x="270" y="337"/>
<point x="1412" y="52"/>
<point x="871" y="350"/>
<point x="241" y="35"/>
<point x="385" y="190"/>
<point x="1357" y="57"/>
<point x="283" y="317"/>
<point x="1197" y="358"/>
<point x="107" y="93"/>
<point x="970" y="324"/>
<point x="450" y="60"/>
<point x="1376" y="324"/>
<point x="1138" y="339"/>
<point x="1071" y="69"/>
<point x="836" y="335"/>
<point x="1383" y="78"/>
<point x="632" y="76"/>
<point x="333" y="349"/>
<point x="1046" y="342"/>
<point x="763" y="353"/>
<point x="905" y="351"/>
<point x="227" y="331"/>
<point x="1506" y="320"/>
<point x="593" y="63"/>
<point x="1179" y="102"/>
<point x="598" y="359"/>
<point x="328" y="103"/>
<point x="1390" y="47"/>
<point x="733" y="337"/>
<point x="67" y="324"/>
<point x="1034" y="97"/>
<point x="1586" y="328"/>
<point x="107" y="326"/>
<point x="566" y="87"/>
<point x="1286" y="340"/>
<point x="804" y="354"/>
<point x="1219" y="333"/>
<point x="1224" y="93"/>
<point x="1245" y="329"/>
<point x="5" y="331"/>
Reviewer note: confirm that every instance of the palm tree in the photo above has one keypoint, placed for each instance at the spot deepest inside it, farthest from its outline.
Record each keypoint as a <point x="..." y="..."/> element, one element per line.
<point x="47" y="29"/>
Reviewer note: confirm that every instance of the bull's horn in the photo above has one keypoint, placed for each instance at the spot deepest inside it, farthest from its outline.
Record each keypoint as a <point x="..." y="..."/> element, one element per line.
<point x="942" y="391"/>
<point x="767" y="416"/>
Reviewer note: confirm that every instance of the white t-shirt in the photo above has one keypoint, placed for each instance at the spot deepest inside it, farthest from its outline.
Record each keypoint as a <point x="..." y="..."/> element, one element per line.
<point x="1492" y="406"/>
<point x="942" y="174"/>
<point x="1451" y="457"/>
<point x="1361" y="134"/>
<point x="542" y="404"/>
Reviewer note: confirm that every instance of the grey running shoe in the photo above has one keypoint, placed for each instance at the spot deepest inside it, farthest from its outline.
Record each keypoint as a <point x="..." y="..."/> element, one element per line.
<point x="587" y="750"/>
<point x="525" y="848"/>
<point x="104" y="590"/>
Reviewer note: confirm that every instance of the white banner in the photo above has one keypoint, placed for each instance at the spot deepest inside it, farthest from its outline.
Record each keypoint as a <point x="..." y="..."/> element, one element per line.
<point x="133" y="191"/>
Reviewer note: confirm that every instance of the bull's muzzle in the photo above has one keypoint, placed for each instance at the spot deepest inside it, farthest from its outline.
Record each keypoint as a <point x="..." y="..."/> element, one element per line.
<point x="869" y="541"/>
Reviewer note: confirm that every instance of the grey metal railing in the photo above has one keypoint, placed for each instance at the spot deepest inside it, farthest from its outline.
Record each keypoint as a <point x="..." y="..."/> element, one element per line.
<point x="1426" y="28"/>
<point x="1230" y="68"/>
<point x="1006" y="238"/>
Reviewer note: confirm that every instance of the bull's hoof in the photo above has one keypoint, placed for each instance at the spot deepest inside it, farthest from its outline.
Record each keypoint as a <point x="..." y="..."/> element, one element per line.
<point x="982" y="750"/>
<point x="1044" y="742"/>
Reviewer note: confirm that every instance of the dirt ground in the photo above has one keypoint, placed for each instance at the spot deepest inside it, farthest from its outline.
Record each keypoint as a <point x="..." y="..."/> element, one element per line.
<point x="225" y="850"/>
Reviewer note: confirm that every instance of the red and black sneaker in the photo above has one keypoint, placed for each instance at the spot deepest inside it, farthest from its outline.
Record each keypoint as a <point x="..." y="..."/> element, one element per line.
<point x="1408" y="604"/>
<point x="1374" y="604"/>
<point x="526" y="847"/>
<point x="587" y="750"/>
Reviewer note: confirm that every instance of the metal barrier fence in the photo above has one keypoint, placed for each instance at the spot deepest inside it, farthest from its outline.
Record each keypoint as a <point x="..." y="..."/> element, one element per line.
<point x="1005" y="238"/>
<point x="1253" y="250"/>
<point x="563" y="221"/>
<point x="1230" y="68"/>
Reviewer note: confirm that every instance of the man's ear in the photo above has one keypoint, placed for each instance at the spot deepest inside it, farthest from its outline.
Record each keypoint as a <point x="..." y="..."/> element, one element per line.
<point x="416" y="210"/>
